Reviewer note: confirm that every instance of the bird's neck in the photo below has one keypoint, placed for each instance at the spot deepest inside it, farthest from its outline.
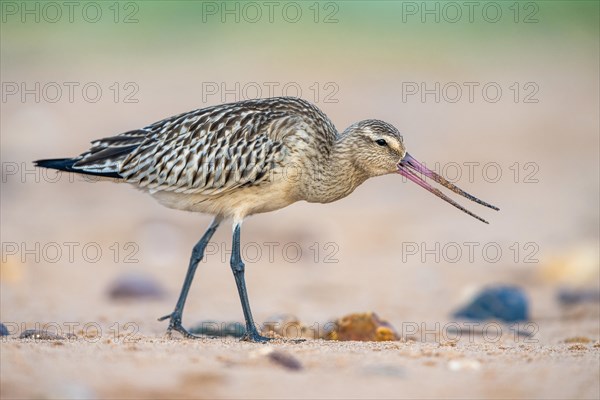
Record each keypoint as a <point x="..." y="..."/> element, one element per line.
<point x="335" y="175"/>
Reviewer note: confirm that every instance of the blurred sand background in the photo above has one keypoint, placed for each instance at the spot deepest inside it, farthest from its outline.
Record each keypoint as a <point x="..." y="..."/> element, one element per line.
<point x="168" y="62"/>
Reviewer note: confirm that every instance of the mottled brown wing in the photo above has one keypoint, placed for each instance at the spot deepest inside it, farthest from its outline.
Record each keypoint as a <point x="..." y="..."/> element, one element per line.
<point x="210" y="150"/>
<point x="207" y="152"/>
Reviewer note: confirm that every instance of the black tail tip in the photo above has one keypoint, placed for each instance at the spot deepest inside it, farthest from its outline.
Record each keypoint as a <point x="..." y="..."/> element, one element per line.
<point x="66" y="164"/>
<point x="61" y="164"/>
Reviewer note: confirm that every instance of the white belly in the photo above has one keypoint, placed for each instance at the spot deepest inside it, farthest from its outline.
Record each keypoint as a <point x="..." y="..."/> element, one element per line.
<point x="237" y="204"/>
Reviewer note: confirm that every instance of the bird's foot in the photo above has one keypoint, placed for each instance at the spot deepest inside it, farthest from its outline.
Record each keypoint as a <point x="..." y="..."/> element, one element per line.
<point x="254" y="336"/>
<point x="175" y="325"/>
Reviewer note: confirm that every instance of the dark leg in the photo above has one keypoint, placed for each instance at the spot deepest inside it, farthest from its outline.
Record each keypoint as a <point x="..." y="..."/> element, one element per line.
<point x="197" y="254"/>
<point x="237" y="266"/>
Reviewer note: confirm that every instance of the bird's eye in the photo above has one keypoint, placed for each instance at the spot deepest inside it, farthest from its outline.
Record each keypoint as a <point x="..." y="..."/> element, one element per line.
<point x="381" y="142"/>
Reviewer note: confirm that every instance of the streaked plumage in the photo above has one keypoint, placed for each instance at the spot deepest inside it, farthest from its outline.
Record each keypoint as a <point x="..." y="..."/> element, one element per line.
<point x="254" y="156"/>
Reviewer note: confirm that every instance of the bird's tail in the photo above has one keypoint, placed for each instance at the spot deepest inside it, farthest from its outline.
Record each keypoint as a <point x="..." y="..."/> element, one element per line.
<point x="66" y="164"/>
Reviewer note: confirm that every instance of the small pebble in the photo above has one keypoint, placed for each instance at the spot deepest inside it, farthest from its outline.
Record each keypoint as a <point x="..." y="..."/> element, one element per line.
<point x="464" y="364"/>
<point x="135" y="286"/>
<point x="363" y="327"/>
<point x="578" y="339"/>
<point x="289" y="326"/>
<point x="43" y="335"/>
<point x="569" y="297"/>
<point x="4" y="330"/>
<point x="285" y="360"/>
<point x="575" y="267"/>
<point x="577" y="347"/>
<point x="503" y="303"/>
<point x="385" y="370"/>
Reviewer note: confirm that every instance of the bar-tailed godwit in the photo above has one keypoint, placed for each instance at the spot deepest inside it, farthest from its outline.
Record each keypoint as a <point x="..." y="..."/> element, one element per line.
<point x="239" y="159"/>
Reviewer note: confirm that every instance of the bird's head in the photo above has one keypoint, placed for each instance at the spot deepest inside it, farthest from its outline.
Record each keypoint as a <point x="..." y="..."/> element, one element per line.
<point x="378" y="149"/>
<point x="377" y="146"/>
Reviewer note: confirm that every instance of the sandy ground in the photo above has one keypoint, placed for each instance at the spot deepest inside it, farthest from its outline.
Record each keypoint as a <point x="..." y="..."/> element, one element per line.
<point x="150" y="367"/>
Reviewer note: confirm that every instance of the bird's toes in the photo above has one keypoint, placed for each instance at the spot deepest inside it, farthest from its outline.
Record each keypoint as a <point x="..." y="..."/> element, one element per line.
<point x="255" y="337"/>
<point x="165" y="317"/>
<point x="182" y="331"/>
